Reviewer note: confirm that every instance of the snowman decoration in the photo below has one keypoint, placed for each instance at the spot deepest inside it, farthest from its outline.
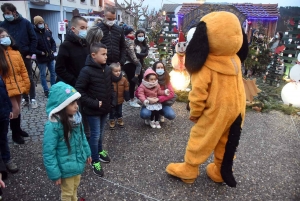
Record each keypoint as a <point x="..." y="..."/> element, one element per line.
<point x="290" y="93"/>
<point x="180" y="78"/>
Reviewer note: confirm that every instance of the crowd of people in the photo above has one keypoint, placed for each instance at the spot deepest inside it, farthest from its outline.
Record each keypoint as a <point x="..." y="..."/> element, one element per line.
<point x="96" y="69"/>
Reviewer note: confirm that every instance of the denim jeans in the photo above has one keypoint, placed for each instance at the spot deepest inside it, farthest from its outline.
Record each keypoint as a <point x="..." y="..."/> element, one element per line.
<point x="4" y="148"/>
<point x="28" y="65"/>
<point x="97" y="124"/>
<point x="43" y="67"/>
<point x="116" y="112"/>
<point x="166" y="111"/>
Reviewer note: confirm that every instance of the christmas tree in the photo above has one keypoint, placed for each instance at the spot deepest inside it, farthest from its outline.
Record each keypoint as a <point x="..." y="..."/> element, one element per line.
<point x="274" y="71"/>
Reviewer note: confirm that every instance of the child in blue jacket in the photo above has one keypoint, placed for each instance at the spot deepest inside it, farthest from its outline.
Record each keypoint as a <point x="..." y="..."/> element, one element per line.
<point x="65" y="148"/>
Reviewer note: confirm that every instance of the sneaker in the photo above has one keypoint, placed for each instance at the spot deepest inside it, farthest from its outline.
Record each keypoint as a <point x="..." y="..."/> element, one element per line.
<point x="152" y="124"/>
<point x="24" y="102"/>
<point x="162" y="119"/>
<point x="34" y="104"/>
<point x="11" y="167"/>
<point x="134" y="104"/>
<point x="147" y="122"/>
<point x="112" y="124"/>
<point x="120" y="122"/>
<point x="97" y="169"/>
<point x="46" y="94"/>
<point x="157" y="124"/>
<point x="103" y="155"/>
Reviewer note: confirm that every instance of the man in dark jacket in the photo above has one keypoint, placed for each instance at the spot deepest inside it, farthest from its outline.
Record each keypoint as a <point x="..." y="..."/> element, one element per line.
<point x="71" y="57"/>
<point x="44" y="54"/>
<point x="21" y="30"/>
<point x="113" y="37"/>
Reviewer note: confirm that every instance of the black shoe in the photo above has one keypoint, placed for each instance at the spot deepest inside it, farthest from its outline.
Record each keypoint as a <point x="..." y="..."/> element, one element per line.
<point x="46" y="94"/>
<point x="103" y="156"/>
<point x="97" y="169"/>
<point x="24" y="134"/>
<point x="18" y="139"/>
<point x="135" y="80"/>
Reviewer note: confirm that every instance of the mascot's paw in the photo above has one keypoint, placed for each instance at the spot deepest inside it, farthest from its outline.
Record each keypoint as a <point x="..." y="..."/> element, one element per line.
<point x="213" y="172"/>
<point x="187" y="173"/>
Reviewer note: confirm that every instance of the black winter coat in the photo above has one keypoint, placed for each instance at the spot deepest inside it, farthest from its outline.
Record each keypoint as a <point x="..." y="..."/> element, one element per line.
<point x="21" y="30"/>
<point x="94" y="84"/>
<point x="45" y="44"/>
<point x="113" y="38"/>
<point x="71" y="58"/>
<point x="143" y="54"/>
<point x="5" y="103"/>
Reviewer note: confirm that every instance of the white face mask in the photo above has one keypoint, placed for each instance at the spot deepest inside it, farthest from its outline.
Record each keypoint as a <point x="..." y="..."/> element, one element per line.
<point x="110" y="23"/>
<point x="276" y="36"/>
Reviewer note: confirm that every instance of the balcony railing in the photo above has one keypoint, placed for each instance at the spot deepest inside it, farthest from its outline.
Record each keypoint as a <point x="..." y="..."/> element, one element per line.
<point x="40" y="2"/>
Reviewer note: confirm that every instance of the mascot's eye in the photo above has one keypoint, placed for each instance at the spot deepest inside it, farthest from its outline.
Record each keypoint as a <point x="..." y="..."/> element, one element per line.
<point x="184" y="44"/>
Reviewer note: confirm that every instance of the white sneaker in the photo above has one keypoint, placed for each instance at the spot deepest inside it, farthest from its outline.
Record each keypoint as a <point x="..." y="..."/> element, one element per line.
<point x="24" y="103"/>
<point x="34" y="104"/>
<point x="162" y="119"/>
<point x="152" y="124"/>
<point x="157" y="124"/>
<point x="134" y="104"/>
<point x="147" y="122"/>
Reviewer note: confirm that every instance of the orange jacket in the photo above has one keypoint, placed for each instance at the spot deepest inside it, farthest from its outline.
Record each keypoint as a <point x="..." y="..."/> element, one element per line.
<point x="121" y="88"/>
<point x="17" y="81"/>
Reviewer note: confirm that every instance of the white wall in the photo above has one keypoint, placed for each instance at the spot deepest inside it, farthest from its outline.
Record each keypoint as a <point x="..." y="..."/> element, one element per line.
<point x="78" y="4"/>
<point x="21" y="6"/>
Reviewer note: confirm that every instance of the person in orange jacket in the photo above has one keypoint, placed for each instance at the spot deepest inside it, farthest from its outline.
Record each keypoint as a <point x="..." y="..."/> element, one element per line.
<point x="15" y="77"/>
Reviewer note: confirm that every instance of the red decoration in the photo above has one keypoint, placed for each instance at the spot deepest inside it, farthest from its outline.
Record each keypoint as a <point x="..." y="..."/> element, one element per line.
<point x="181" y="37"/>
<point x="151" y="44"/>
<point x="175" y="30"/>
<point x="167" y="19"/>
<point x="249" y="22"/>
<point x="292" y="22"/>
<point x="298" y="36"/>
<point x="279" y="49"/>
<point x="161" y="39"/>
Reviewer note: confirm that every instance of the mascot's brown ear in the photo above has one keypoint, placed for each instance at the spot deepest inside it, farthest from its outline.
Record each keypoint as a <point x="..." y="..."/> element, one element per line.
<point x="197" y="49"/>
<point x="243" y="52"/>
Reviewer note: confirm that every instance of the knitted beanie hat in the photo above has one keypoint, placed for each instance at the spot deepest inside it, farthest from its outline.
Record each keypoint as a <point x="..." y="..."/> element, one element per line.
<point x="37" y="19"/>
<point x="127" y="30"/>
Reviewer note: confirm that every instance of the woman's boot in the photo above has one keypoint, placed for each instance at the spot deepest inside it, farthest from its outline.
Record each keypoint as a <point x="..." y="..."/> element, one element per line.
<point x="14" y="126"/>
<point x="22" y="133"/>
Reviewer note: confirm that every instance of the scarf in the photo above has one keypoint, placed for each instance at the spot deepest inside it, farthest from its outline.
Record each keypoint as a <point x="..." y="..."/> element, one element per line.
<point x="130" y="37"/>
<point x="148" y="84"/>
<point x="115" y="78"/>
<point x="76" y="119"/>
<point x="161" y="79"/>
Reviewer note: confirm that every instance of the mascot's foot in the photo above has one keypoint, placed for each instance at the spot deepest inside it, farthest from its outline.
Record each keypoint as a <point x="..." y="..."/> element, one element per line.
<point x="213" y="172"/>
<point x="187" y="173"/>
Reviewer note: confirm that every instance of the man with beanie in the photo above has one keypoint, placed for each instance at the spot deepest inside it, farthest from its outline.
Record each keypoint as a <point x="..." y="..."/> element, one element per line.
<point x="113" y="37"/>
<point x="21" y="30"/>
<point x="44" y="53"/>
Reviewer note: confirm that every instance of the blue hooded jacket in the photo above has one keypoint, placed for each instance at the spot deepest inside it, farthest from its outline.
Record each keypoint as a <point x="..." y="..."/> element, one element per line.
<point x="58" y="160"/>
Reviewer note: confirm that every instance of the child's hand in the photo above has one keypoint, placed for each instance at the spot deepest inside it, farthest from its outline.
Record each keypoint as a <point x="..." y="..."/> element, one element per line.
<point x="151" y="100"/>
<point x="11" y="115"/>
<point x="89" y="160"/>
<point x="100" y="104"/>
<point x="167" y="92"/>
<point x="58" y="182"/>
<point x="2" y="184"/>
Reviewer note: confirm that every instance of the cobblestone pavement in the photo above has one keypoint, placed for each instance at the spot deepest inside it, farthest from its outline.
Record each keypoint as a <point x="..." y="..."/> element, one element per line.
<point x="267" y="165"/>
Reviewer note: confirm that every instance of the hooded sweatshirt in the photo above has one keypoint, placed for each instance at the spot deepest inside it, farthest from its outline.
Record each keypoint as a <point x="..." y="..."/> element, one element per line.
<point x="154" y="92"/>
<point x="58" y="160"/>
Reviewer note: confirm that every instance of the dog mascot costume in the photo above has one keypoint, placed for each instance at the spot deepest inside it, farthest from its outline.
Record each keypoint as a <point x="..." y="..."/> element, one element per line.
<point x="217" y="99"/>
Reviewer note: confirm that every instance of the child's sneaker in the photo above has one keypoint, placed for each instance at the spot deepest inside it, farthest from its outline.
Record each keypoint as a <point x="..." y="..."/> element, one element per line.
<point x="34" y="104"/>
<point x="11" y="167"/>
<point x="152" y="124"/>
<point x="103" y="155"/>
<point x="112" y="124"/>
<point x="120" y="122"/>
<point x="97" y="169"/>
<point x="134" y="104"/>
<point x="157" y="124"/>
<point x="162" y="119"/>
<point x="25" y="102"/>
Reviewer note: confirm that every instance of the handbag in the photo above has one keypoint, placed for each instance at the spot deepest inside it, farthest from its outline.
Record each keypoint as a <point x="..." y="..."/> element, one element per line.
<point x="170" y="102"/>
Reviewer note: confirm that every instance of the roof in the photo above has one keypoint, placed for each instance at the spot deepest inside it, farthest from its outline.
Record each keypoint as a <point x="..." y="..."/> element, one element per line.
<point x="248" y="9"/>
<point x="258" y="10"/>
<point x="170" y="8"/>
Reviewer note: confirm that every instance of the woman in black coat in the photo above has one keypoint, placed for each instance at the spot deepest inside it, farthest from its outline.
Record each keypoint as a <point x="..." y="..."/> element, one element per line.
<point x="141" y="50"/>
